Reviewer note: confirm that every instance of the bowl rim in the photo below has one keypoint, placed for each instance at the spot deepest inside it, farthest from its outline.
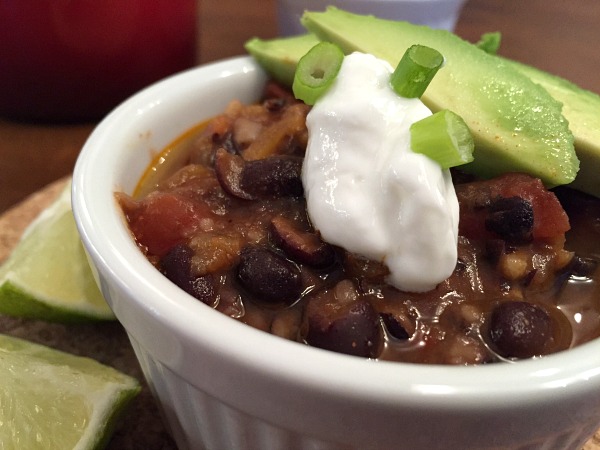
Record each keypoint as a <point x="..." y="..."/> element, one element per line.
<point x="390" y="382"/>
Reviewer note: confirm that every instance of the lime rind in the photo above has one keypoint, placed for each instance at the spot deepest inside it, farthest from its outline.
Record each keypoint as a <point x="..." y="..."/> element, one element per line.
<point x="51" y="399"/>
<point x="48" y="276"/>
<point x="14" y="301"/>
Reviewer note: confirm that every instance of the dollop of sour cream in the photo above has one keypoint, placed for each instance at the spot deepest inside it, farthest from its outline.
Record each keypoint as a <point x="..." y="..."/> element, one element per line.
<point x="366" y="190"/>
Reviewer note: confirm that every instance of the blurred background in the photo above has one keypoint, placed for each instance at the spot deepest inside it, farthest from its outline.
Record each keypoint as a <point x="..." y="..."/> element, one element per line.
<point x="557" y="36"/>
<point x="74" y="60"/>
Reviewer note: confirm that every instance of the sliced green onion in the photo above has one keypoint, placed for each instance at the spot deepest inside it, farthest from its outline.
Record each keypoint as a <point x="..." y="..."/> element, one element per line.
<point x="416" y="69"/>
<point x="316" y="71"/>
<point x="443" y="137"/>
<point x="490" y="42"/>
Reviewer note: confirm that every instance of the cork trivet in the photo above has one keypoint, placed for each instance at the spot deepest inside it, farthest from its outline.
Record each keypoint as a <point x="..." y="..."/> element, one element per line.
<point x="141" y="428"/>
<point x="107" y="342"/>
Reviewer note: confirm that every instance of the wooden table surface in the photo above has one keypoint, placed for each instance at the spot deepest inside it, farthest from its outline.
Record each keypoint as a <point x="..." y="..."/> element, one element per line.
<point x="558" y="36"/>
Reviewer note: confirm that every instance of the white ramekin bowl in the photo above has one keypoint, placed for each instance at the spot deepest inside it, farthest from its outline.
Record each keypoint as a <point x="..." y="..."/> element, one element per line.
<point x="225" y="385"/>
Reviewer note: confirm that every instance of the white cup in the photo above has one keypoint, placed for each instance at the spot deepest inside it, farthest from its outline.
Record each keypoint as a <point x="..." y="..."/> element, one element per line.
<point x="441" y="14"/>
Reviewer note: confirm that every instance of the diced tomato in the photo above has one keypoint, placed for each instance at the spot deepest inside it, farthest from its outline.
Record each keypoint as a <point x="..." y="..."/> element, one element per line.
<point x="550" y="219"/>
<point x="162" y="220"/>
<point x="472" y="225"/>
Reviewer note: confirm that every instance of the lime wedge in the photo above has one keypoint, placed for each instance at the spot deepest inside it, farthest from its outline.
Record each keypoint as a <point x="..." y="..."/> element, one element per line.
<point x="47" y="276"/>
<point x="53" y="400"/>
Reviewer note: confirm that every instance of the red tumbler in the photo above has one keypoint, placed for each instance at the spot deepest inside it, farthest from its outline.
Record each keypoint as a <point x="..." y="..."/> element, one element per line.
<point x="75" y="60"/>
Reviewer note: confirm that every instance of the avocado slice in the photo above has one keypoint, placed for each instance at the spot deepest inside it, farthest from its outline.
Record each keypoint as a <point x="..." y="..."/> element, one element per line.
<point x="516" y="124"/>
<point x="279" y="56"/>
<point x="581" y="108"/>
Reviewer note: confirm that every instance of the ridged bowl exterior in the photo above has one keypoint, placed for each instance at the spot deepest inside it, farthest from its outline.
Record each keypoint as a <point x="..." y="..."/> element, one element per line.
<point x="203" y="422"/>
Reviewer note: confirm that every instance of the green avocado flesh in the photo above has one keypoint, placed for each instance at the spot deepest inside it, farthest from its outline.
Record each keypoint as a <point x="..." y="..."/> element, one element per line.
<point x="279" y="57"/>
<point x="517" y="126"/>
<point x="581" y="108"/>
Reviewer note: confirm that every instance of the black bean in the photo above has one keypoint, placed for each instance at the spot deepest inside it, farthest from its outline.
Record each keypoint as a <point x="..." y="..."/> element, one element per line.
<point x="394" y="327"/>
<point x="176" y="266"/>
<point x="582" y="267"/>
<point x="511" y="218"/>
<point x="519" y="329"/>
<point x="275" y="176"/>
<point x="229" y="168"/>
<point x="272" y="177"/>
<point x="269" y="276"/>
<point x="352" y="329"/>
<point x="203" y="288"/>
<point x="302" y="246"/>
